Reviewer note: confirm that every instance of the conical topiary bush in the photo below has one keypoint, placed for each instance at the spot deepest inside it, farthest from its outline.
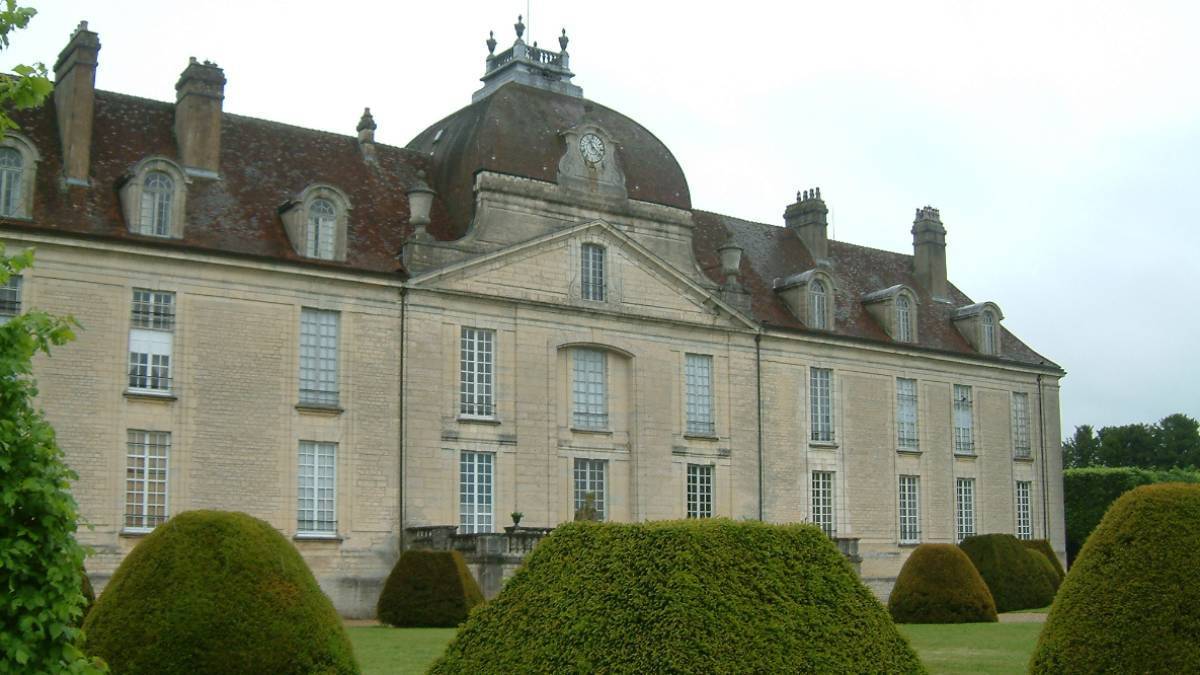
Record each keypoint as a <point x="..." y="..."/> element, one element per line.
<point x="428" y="589"/>
<point x="699" y="596"/>
<point x="216" y="592"/>
<point x="1046" y="567"/>
<point x="1014" y="577"/>
<point x="1131" y="602"/>
<point x="1047" y="550"/>
<point x="939" y="584"/>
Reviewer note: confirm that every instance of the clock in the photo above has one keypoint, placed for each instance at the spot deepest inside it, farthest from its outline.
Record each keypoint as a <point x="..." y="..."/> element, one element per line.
<point x="592" y="148"/>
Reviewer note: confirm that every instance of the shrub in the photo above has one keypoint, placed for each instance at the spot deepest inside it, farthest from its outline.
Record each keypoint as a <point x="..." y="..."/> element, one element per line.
<point x="1046" y="567"/>
<point x="938" y="584"/>
<point x="1043" y="546"/>
<point x="1131" y="602"/>
<point x="89" y="596"/>
<point x="428" y="588"/>
<point x="700" y="596"/>
<point x="1012" y="575"/>
<point x="216" y="592"/>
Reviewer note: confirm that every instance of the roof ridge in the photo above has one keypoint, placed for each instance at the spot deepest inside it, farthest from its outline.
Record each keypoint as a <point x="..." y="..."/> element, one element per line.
<point x="839" y="242"/>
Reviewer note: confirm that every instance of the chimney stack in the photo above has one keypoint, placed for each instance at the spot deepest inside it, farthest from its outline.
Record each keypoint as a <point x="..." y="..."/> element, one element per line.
<point x="929" y="252"/>
<point x="74" y="101"/>
<point x="198" y="99"/>
<point x="807" y="218"/>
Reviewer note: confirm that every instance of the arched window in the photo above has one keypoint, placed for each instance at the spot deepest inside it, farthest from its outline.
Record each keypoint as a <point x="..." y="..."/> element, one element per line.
<point x="987" y="341"/>
<point x="157" y="192"/>
<point x="904" y="332"/>
<point x="818" y="305"/>
<point x="322" y="224"/>
<point x="11" y="167"/>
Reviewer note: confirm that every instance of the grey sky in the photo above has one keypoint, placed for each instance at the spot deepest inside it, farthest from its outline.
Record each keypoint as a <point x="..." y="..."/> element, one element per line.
<point x="1061" y="141"/>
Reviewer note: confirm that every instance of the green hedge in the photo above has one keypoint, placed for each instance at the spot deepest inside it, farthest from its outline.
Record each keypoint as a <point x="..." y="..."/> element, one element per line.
<point x="938" y="584"/>
<point x="216" y="592"/>
<point x="1131" y="603"/>
<point x="1043" y="546"/>
<point x="698" y="596"/>
<point x="1014" y="577"/>
<point x="1088" y="492"/>
<point x="89" y="595"/>
<point x="1047" y="568"/>
<point x="428" y="589"/>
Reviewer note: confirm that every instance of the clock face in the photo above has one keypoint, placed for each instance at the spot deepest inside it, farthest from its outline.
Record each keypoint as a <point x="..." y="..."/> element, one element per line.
<point x="592" y="148"/>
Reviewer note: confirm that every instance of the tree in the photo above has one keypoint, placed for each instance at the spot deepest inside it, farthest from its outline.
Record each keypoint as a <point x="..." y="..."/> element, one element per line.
<point x="1178" y="437"/>
<point x="1128" y="445"/>
<point x="1173" y="442"/>
<point x="28" y="86"/>
<point x="1082" y="449"/>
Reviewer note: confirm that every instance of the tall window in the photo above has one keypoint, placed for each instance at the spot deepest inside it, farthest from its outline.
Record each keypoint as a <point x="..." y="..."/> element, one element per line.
<point x="698" y="374"/>
<point x="910" y="509"/>
<point x="475" y="376"/>
<point x="964" y="508"/>
<point x="963" y="425"/>
<point x="157" y="192"/>
<point x="591" y="479"/>
<point x="11" y="168"/>
<point x="318" y="357"/>
<point x="1024" y="514"/>
<point x="699" y="491"/>
<point x="906" y="414"/>
<point x="904" y="328"/>
<point x="590" y="388"/>
<point x="146" y="478"/>
<point x="988" y="336"/>
<point x="822" y="502"/>
<point x="820" y="382"/>
<point x="475" y="472"/>
<point x="10" y="298"/>
<point x="322" y="224"/>
<point x="150" y="341"/>
<point x="592" y="272"/>
<point x="1020" y="415"/>
<point x="818" y="305"/>
<point x="317" y="490"/>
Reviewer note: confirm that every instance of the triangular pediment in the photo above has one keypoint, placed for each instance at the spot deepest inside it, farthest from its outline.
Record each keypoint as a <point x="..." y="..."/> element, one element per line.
<point x="547" y="271"/>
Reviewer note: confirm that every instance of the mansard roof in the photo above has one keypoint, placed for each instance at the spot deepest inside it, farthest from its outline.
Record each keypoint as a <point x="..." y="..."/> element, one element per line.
<point x="775" y="253"/>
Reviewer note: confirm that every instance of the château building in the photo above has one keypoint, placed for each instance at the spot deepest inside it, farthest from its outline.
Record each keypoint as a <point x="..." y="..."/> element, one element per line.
<point x="521" y="311"/>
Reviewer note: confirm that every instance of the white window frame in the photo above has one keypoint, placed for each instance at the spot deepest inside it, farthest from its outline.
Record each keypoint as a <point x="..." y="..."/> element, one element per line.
<point x="11" y="293"/>
<point x="964" y="508"/>
<point x="147" y="479"/>
<point x="156" y="213"/>
<point x="904" y="319"/>
<point x="589" y="388"/>
<point x="151" y="342"/>
<point x="593" y="275"/>
<point x="476" y="492"/>
<point x="988" y="332"/>
<point x="820" y="404"/>
<point x="908" y="427"/>
<point x="909" y="508"/>
<point x="700" y="490"/>
<point x="1022" y="448"/>
<point x="591" y="477"/>
<point x="1023" y="499"/>
<point x="698" y="376"/>
<point x="316" y="489"/>
<point x="964" y="423"/>
<point x="319" y="357"/>
<point x="11" y="178"/>
<point x="321" y="235"/>
<point x="823" y="502"/>
<point x="818" y="304"/>
<point x="477" y="373"/>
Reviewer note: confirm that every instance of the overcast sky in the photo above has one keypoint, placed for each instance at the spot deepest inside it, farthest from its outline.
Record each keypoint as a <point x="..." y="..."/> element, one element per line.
<point x="1061" y="141"/>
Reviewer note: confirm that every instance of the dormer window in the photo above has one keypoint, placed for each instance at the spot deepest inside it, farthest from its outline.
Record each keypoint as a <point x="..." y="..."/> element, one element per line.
<point x="810" y="296"/>
<point x="987" y="325"/>
<point x="18" y="167"/>
<point x="895" y="308"/>
<point x="980" y="325"/>
<point x="316" y="222"/>
<point x="322" y="221"/>
<point x="157" y="192"/>
<point x="11" y="168"/>
<point x="591" y="272"/>
<point x="818" y="305"/>
<point x="153" y="197"/>
<point x="904" y="331"/>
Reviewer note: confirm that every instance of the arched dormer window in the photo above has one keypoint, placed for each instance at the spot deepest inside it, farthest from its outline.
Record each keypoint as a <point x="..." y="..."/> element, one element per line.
<point x="980" y="325"/>
<point x="18" y="167"/>
<point x="316" y="222"/>
<point x="904" y="319"/>
<point x="987" y="336"/>
<point x="818" y="305"/>
<point x="154" y="198"/>
<point x="322" y="225"/>
<point x="11" y="168"/>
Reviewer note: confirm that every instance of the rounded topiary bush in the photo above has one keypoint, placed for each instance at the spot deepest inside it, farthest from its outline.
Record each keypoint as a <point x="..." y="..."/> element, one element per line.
<point x="938" y="584"/>
<point x="1131" y="602"/>
<point x="1046" y="567"/>
<point x="1014" y="577"/>
<point x="1044" y="547"/>
<point x="698" y="596"/>
<point x="428" y="588"/>
<point x="216" y="592"/>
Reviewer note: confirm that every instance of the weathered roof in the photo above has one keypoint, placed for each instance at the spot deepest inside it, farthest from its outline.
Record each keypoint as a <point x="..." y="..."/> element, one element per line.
<point x="263" y="165"/>
<point x="771" y="252"/>
<point x="517" y="131"/>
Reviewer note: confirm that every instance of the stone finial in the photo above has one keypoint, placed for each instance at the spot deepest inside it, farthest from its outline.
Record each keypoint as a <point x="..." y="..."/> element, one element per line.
<point x="731" y="260"/>
<point x="491" y="42"/>
<point x="805" y="195"/>
<point x="563" y="40"/>
<point x="519" y="26"/>
<point x="366" y="127"/>
<point x="420" y="202"/>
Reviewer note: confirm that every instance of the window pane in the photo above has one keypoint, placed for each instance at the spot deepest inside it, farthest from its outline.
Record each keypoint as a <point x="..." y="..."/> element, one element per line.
<point x="589" y="389"/>
<point x="316" y="488"/>
<point x="698" y="376"/>
<point x="10" y="181"/>
<point x="592" y="272"/>
<point x="906" y="414"/>
<point x="157" y="193"/>
<point x="475" y="384"/>
<point x="10" y="298"/>
<point x="821" y="403"/>
<point x="322" y="221"/>
<point x="1024" y="512"/>
<point x="318" y="357"/>
<point x="964" y="507"/>
<point x="150" y="360"/>
<point x="590" y="488"/>
<point x="1020" y="412"/>
<point x="910" y="509"/>
<point x="475" y="492"/>
<point x="699" y="491"/>
<point x="989" y="333"/>
<point x="822" y="502"/>
<point x="964" y="443"/>
<point x="903" y="319"/>
<point x="818" y="300"/>
<point x="146" y="478"/>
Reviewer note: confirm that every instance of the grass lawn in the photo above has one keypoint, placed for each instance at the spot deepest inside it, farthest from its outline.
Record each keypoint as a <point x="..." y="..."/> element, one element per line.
<point x="387" y="651"/>
<point x="974" y="647"/>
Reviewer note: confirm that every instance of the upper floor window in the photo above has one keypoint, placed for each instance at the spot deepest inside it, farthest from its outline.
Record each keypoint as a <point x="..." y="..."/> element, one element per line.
<point x="820" y="381"/>
<point x="322" y="224"/>
<point x="906" y="414"/>
<point x="987" y="337"/>
<point x="476" y="379"/>
<point x="904" y="319"/>
<point x="153" y="198"/>
<point x="10" y="298"/>
<point x="1020" y="422"/>
<point x="12" y="166"/>
<point x="318" y="357"/>
<point x="316" y="222"/>
<point x="698" y="375"/>
<point x="157" y="192"/>
<point x="151" y="341"/>
<point x="591" y="272"/>
<point x="589" y="389"/>
<point x="964" y="443"/>
<point x="818" y="305"/>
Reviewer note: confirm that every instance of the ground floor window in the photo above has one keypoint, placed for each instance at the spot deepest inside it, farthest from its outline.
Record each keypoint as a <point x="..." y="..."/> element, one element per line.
<point x="964" y="512"/>
<point x="822" y="502"/>
<point x="699" y="491"/>
<point x="910" y="509"/>
<point x="146" y="478"/>
<point x="475" y="491"/>
<point x="1024" y="515"/>
<point x="591" y="494"/>
<point x="316" y="489"/>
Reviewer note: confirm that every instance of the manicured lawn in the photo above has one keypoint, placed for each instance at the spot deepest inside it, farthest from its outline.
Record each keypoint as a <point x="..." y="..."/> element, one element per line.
<point x="974" y="647"/>
<point x="391" y="651"/>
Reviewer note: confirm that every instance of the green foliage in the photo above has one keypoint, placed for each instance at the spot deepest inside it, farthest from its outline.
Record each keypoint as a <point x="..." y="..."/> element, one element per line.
<point x="1046" y="567"/>
<point x="1131" y="602"/>
<point x="938" y="584"/>
<point x="41" y="600"/>
<point x="1173" y="442"/>
<point x="432" y="589"/>
<point x="698" y="596"/>
<point x="1043" y="546"/>
<point x="588" y="510"/>
<point x="216" y="592"/>
<point x="28" y="86"/>
<point x="89" y="596"/>
<point x="1014" y="577"/>
<point x="1087" y="494"/>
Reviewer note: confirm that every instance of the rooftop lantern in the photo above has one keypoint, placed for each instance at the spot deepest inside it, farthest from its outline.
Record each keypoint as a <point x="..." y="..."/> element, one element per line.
<point x="527" y="64"/>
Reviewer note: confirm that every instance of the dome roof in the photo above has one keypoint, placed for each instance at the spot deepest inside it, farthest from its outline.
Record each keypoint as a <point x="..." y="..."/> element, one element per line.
<point x="517" y="130"/>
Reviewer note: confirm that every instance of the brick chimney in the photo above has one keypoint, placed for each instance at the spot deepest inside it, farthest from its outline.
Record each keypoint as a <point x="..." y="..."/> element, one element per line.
<point x="74" y="101"/>
<point x="198" y="99"/>
<point x="807" y="218"/>
<point x="929" y="252"/>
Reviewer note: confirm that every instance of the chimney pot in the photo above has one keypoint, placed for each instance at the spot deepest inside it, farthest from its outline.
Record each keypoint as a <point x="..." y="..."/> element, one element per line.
<point x="808" y="218"/>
